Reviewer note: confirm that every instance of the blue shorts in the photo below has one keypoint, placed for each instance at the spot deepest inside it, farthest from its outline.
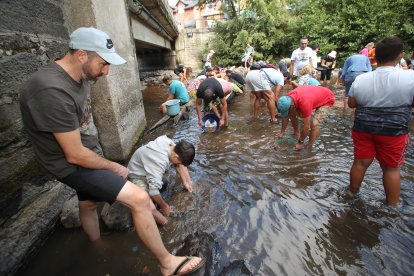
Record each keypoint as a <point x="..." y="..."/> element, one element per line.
<point x="95" y="185"/>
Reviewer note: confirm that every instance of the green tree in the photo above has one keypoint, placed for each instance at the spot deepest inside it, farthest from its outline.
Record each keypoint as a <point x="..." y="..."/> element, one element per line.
<point x="265" y="24"/>
<point x="274" y="27"/>
<point x="348" y="25"/>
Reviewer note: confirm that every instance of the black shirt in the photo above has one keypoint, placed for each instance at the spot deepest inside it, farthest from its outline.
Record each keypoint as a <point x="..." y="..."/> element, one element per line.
<point x="237" y="77"/>
<point x="213" y="84"/>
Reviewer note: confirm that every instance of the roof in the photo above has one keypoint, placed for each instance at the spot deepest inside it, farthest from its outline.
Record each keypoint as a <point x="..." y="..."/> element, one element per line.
<point x="188" y="3"/>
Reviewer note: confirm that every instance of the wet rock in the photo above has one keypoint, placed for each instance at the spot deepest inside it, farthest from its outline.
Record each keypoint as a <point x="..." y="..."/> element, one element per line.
<point x="155" y="77"/>
<point x="203" y="245"/>
<point x="117" y="217"/>
<point x="181" y="202"/>
<point x="70" y="213"/>
<point x="236" y="268"/>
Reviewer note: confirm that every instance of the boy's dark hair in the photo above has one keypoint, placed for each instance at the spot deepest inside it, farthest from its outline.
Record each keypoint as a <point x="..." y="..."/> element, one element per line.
<point x="185" y="151"/>
<point x="388" y="49"/>
<point x="228" y="71"/>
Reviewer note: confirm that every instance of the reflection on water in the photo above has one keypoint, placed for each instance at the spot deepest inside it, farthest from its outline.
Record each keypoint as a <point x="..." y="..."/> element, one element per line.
<point x="283" y="212"/>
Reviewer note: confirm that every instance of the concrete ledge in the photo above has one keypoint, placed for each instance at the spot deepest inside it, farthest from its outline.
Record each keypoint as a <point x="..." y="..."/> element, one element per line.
<point x="23" y="234"/>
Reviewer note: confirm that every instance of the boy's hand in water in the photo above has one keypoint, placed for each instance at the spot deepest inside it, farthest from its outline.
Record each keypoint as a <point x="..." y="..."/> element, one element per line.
<point x="188" y="186"/>
<point x="200" y="122"/>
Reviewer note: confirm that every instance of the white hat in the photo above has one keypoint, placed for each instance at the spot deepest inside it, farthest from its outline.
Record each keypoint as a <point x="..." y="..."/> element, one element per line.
<point x="91" y="39"/>
<point x="332" y="54"/>
<point x="212" y="51"/>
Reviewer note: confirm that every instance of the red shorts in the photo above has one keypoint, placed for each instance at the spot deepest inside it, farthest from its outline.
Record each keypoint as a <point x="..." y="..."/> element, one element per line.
<point x="388" y="150"/>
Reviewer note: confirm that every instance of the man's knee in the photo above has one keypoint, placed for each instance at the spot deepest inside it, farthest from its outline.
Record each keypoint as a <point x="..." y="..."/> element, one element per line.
<point x="140" y="200"/>
<point x="87" y="205"/>
<point x="365" y="163"/>
<point x="315" y="123"/>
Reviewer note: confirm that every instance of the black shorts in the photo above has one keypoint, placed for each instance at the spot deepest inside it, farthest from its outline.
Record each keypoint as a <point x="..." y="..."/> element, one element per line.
<point x="95" y="185"/>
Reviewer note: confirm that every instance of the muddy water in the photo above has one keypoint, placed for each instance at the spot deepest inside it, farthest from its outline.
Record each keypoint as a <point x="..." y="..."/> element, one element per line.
<point x="283" y="212"/>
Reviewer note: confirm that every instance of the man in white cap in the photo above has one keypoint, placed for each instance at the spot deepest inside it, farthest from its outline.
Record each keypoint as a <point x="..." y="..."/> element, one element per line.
<point x="54" y="111"/>
<point x="328" y="64"/>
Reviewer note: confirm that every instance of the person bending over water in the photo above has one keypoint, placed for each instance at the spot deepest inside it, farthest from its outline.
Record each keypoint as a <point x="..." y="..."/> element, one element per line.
<point x="309" y="102"/>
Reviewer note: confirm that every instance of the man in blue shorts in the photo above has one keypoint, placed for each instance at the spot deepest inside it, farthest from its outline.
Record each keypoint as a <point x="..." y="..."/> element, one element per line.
<point x="53" y="110"/>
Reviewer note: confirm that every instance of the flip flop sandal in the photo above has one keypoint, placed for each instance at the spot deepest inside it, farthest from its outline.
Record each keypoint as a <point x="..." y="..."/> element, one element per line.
<point x="191" y="271"/>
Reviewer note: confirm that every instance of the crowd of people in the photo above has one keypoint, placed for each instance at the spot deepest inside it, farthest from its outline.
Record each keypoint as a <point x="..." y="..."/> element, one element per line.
<point x="382" y="98"/>
<point x="310" y="100"/>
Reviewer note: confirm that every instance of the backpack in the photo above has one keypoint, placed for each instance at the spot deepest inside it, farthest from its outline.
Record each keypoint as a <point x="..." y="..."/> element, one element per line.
<point x="204" y="59"/>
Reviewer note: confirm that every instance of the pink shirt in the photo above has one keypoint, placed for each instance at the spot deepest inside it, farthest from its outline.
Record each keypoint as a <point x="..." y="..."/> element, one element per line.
<point x="227" y="86"/>
<point x="309" y="97"/>
<point x="364" y="52"/>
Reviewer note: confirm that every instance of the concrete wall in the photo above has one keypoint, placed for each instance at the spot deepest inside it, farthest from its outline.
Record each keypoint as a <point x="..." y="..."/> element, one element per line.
<point x="33" y="32"/>
<point x="188" y="48"/>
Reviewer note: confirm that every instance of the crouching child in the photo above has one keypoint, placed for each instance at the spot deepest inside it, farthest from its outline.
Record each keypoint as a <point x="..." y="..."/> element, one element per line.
<point x="148" y="164"/>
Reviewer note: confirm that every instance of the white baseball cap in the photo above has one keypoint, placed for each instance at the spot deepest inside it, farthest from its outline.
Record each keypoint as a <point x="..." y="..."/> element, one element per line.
<point x="332" y="54"/>
<point x="91" y="39"/>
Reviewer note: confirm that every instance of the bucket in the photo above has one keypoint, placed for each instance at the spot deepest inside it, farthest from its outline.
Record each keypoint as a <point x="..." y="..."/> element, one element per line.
<point x="211" y="123"/>
<point x="173" y="107"/>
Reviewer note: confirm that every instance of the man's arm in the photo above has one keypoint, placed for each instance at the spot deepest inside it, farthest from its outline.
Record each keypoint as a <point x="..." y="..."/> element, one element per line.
<point x="285" y="122"/>
<point x="223" y="109"/>
<point x="304" y="133"/>
<point x="277" y="92"/>
<point x="77" y="154"/>
<point x="352" y="102"/>
<point x="170" y="97"/>
<point x="185" y="177"/>
<point x="199" y="101"/>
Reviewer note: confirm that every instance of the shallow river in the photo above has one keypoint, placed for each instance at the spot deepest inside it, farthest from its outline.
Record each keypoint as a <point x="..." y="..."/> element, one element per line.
<point x="283" y="212"/>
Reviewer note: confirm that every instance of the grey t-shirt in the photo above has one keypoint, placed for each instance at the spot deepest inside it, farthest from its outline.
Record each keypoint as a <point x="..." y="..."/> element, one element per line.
<point x="52" y="102"/>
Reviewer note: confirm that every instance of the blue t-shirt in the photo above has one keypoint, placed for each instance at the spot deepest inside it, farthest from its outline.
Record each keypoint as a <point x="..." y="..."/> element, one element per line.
<point x="178" y="90"/>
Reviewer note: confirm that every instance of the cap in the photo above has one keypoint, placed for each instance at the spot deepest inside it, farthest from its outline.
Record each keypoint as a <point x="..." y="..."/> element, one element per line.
<point x="255" y="66"/>
<point x="283" y="105"/>
<point x="212" y="51"/>
<point x="91" y="39"/>
<point x="261" y="63"/>
<point x="332" y="54"/>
